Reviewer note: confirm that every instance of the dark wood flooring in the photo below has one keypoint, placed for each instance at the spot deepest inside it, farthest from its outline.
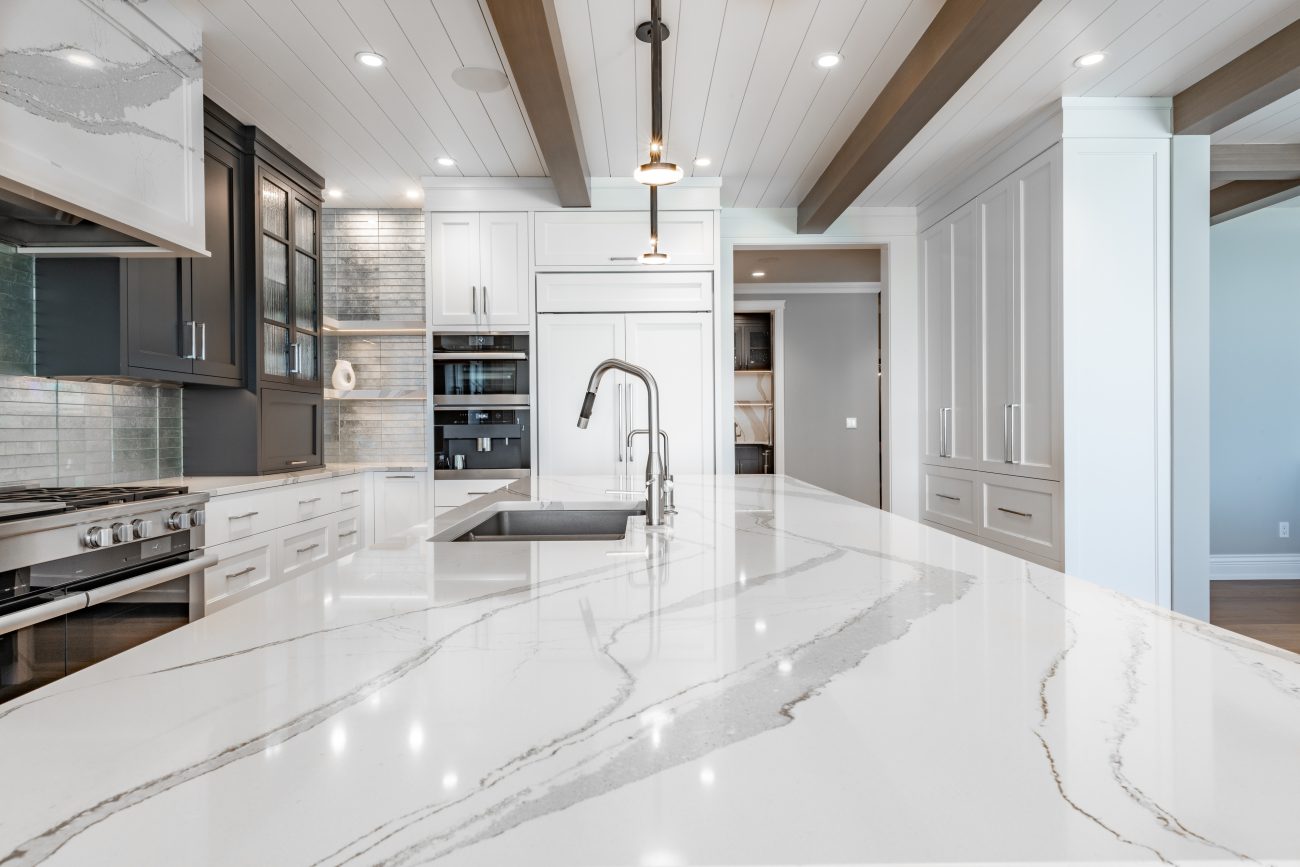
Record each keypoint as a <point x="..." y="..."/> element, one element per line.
<point x="1265" y="610"/>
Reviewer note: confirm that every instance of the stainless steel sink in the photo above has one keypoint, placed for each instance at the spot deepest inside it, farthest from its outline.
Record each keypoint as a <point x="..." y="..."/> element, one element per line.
<point x="551" y="525"/>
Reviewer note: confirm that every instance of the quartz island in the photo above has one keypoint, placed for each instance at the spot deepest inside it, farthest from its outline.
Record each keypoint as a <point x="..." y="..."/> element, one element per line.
<point x="782" y="676"/>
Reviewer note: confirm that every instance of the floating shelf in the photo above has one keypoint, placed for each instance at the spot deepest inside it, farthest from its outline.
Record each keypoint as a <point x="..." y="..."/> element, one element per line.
<point x="377" y="394"/>
<point x="371" y="327"/>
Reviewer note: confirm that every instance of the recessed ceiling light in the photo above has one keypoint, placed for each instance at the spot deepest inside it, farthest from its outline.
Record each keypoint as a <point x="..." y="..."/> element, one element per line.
<point x="1092" y="58"/>
<point x="81" y="58"/>
<point x="759" y="274"/>
<point x="446" y="162"/>
<point x="828" y="59"/>
<point x="703" y="162"/>
<point x="369" y="58"/>
<point x="480" y="79"/>
<point x="413" y="193"/>
<point x="334" y="193"/>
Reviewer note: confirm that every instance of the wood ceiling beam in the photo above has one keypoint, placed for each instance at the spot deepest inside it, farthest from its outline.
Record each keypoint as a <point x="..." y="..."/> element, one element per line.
<point x="1255" y="162"/>
<point x="960" y="38"/>
<point x="1262" y="75"/>
<point x="530" y="36"/>
<point x="1243" y="197"/>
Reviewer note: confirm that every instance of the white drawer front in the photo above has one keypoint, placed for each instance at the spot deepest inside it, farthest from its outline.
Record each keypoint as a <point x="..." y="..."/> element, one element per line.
<point x="239" y="516"/>
<point x="349" y="494"/>
<point x="311" y="499"/>
<point x="347" y="532"/>
<point x="1024" y="514"/>
<point x="305" y="547"/>
<point x="661" y="292"/>
<point x="613" y="239"/>
<point x="950" y="499"/>
<point x="245" y="567"/>
<point x="450" y="493"/>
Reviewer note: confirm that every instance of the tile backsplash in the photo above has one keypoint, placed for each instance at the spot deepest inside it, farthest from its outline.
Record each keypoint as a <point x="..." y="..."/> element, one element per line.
<point x="73" y="433"/>
<point x="374" y="269"/>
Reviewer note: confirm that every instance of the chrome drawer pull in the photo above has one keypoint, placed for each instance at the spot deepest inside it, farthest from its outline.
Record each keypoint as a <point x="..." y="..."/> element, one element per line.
<point x="294" y="463"/>
<point x="349" y="533"/>
<point x="245" y="515"/>
<point x="622" y="258"/>
<point x="241" y="572"/>
<point x="311" y="547"/>
<point x="399" y="477"/>
<point x="308" y="502"/>
<point x="1014" y="512"/>
<point x="353" y="491"/>
<point x="948" y="497"/>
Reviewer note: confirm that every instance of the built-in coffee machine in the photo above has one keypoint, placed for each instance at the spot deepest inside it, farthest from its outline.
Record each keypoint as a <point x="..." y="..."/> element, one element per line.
<point x="480" y="405"/>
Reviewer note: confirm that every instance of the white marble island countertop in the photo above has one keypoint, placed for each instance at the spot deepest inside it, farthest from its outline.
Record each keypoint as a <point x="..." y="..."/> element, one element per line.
<point x="785" y="677"/>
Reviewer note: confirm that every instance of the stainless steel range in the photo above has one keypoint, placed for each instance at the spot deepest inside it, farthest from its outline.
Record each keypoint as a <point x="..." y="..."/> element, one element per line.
<point x="86" y="573"/>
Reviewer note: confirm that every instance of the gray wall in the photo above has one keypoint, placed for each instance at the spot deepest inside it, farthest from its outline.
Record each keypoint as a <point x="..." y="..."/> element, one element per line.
<point x="831" y="356"/>
<point x="73" y="433"/>
<point x="374" y="269"/>
<point x="1255" y="382"/>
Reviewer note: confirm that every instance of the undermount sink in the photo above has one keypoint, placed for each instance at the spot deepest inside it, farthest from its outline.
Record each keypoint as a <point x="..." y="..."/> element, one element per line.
<point x="550" y="525"/>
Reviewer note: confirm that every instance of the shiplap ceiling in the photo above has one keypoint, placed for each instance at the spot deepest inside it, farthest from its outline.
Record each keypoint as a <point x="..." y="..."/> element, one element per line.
<point x="740" y="86"/>
<point x="1278" y="123"/>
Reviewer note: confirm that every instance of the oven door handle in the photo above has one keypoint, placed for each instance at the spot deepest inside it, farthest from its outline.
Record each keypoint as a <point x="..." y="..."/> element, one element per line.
<point x="480" y="356"/>
<point x="41" y="613"/>
<point x="125" y="587"/>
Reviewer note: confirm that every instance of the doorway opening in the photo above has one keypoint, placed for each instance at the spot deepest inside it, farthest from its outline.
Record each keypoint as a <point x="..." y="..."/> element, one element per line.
<point x="807" y="367"/>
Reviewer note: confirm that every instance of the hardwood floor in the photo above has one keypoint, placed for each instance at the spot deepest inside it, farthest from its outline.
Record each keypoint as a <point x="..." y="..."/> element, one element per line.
<point x="1265" y="610"/>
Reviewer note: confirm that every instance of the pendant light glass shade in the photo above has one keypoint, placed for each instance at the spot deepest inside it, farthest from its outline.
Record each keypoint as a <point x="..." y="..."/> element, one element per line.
<point x="658" y="174"/>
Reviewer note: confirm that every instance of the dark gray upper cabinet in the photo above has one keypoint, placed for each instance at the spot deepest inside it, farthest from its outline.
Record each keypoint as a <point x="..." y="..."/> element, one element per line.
<point x="287" y="250"/>
<point x="170" y="320"/>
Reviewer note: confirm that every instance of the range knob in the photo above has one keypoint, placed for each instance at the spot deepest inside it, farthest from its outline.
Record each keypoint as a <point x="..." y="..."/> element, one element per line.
<point x="121" y="532"/>
<point x="198" y="517"/>
<point x="179" y="521"/>
<point x="97" y="537"/>
<point x="143" y="529"/>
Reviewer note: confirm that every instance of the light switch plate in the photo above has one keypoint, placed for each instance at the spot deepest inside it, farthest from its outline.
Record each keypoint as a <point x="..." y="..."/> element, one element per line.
<point x="851" y="423"/>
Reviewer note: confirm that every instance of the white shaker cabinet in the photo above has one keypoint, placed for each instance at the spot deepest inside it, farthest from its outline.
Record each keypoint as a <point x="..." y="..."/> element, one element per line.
<point x="1019" y="342"/>
<point x="949" y="254"/>
<point x="399" y="501"/>
<point x="677" y="349"/>
<point x="478" y="269"/>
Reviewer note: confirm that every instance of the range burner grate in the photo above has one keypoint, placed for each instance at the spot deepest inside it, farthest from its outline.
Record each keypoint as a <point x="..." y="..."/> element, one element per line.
<point x="86" y="497"/>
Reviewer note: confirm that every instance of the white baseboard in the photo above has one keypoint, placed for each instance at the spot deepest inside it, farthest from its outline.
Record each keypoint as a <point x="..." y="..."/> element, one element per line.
<point x="1254" y="567"/>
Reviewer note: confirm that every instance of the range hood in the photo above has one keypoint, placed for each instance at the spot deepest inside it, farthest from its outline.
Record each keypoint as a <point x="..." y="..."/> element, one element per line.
<point x="32" y="226"/>
<point x="101" y="129"/>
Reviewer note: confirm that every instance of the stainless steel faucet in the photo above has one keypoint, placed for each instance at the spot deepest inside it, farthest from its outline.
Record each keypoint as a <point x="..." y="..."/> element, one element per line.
<point x="654" y="465"/>
<point x="669" y="508"/>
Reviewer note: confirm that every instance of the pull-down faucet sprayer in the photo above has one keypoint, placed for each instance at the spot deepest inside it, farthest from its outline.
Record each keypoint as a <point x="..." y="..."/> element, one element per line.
<point x="654" y="466"/>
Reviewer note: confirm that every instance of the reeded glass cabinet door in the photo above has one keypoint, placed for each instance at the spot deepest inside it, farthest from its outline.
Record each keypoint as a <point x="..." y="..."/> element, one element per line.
<point x="306" y="293"/>
<point x="274" y="255"/>
<point x="289" y="252"/>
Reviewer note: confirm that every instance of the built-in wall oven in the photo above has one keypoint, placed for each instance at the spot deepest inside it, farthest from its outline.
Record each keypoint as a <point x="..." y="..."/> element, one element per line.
<point x="86" y="573"/>
<point x="480" y="405"/>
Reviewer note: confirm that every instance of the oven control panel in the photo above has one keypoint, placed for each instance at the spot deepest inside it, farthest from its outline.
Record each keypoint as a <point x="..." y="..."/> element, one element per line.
<point x="136" y="528"/>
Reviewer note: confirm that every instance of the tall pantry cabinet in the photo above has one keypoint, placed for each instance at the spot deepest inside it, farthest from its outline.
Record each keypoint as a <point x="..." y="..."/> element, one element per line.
<point x="991" y="292"/>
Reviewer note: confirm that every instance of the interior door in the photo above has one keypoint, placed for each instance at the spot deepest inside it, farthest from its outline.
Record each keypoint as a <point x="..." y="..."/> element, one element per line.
<point x="997" y="254"/>
<point x="569" y="346"/>
<point x="503" y="254"/>
<point x="215" y="290"/>
<point x="454" y="264"/>
<point x="158" y="313"/>
<point x="936" y="277"/>
<point x="677" y="349"/>
<point x="1036" y="359"/>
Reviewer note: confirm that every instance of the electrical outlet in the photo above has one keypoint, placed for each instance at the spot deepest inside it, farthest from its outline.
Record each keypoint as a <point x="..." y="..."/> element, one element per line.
<point x="850" y="424"/>
<point x="1284" y="529"/>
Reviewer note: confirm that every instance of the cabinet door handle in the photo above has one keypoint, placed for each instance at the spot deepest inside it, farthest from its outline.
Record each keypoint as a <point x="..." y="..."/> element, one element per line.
<point x="948" y="497"/>
<point x="203" y="341"/>
<point x="485" y="301"/>
<point x="622" y="258"/>
<point x="194" y="342"/>
<point x="1006" y="434"/>
<point x="473" y="300"/>
<point x="618" y="432"/>
<point x="349" y="533"/>
<point x="294" y="463"/>
<point x="240" y="573"/>
<point x="312" y="547"/>
<point x="295" y="352"/>
<point x="1014" y="512"/>
<point x="353" y="491"/>
<point x="245" y="515"/>
<point x="1016" y="444"/>
<point x="397" y="477"/>
<point x="309" y="501"/>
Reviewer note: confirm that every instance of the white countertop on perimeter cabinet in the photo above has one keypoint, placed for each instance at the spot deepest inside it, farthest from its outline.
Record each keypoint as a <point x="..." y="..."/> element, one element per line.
<point x="219" y="485"/>
<point x="784" y="677"/>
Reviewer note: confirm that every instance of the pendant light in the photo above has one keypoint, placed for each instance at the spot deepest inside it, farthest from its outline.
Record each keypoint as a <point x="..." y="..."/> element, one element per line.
<point x="658" y="171"/>
<point x="654" y="257"/>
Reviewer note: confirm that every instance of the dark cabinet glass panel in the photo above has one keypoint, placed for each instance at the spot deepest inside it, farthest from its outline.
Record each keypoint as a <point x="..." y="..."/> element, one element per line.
<point x="275" y="209"/>
<point x="275" y="361"/>
<point x="275" y="280"/>
<point x="304" y="232"/>
<point x="304" y="291"/>
<point x="308" y="358"/>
